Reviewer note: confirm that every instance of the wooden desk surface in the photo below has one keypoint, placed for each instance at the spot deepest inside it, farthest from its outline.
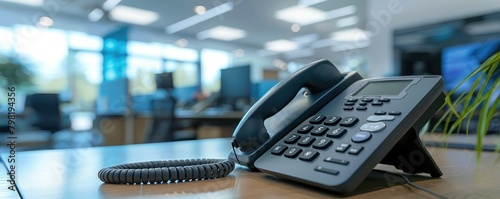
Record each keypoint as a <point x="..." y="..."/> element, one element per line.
<point x="72" y="173"/>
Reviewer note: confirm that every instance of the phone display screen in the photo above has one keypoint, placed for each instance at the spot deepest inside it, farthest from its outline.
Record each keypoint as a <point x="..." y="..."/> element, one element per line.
<point x="380" y="88"/>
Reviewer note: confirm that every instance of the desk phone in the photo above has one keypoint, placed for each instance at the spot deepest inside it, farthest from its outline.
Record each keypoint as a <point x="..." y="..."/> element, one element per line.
<point x="338" y="127"/>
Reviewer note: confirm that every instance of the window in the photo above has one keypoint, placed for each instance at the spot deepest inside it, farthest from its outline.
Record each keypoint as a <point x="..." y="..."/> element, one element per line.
<point x="211" y="63"/>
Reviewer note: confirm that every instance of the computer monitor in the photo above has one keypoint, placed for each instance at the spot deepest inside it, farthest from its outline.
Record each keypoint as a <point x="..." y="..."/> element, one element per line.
<point x="235" y="86"/>
<point x="164" y="80"/>
<point x="459" y="61"/>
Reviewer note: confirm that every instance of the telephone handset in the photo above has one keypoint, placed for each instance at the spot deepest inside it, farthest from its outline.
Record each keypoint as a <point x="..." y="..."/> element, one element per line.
<point x="348" y="125"/>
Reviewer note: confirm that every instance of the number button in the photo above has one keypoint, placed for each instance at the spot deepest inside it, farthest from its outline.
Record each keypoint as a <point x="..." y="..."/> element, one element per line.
<point x="322" y="143"/>
<point x="317" y="119"/>
<point x="308" y="155"/>
<point x="292" y="139"/>
<point x="338" y="132"/>
<point x="349" y="121"/>
<point x="293" y="152"/>
<point x="319" y="131"/>
<point x="279" y="149"/>
<point x="305" y="129"/>
<point x="306" y="141"/>
<point x="333" y="120"/>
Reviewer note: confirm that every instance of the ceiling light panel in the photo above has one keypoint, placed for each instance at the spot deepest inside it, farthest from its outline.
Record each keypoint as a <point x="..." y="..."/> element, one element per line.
<point x="281" y="45"/>
<point x="222" y="33"/>
<point x="196" y="19"/>
<point x="133" y="15"/>
<point x="347" y="21"/>
<point x="301" y="15"/>
<point x="350" y="35"/>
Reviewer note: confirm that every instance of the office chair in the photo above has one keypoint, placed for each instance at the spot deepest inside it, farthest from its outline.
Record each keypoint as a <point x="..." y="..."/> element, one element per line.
<point x="47" y="114"/>
<point x="162" y="126"/>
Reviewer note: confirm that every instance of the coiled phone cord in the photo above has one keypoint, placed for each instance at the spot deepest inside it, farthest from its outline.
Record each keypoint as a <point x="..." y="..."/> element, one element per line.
<point x="166" y="171"/>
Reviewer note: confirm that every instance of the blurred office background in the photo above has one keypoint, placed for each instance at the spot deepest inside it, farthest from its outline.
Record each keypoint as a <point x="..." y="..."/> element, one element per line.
<point x="98" y="72"/>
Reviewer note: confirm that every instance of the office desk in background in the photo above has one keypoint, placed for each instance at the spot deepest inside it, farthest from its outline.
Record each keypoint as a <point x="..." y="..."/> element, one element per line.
<point x="72" y="173"/>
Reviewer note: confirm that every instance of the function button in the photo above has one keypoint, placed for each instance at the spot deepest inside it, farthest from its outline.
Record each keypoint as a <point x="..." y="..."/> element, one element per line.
<point x="384" y="100"/>
<point x="355" y="150"/>
<point x="279" y="149"/>
<point x="366" y="99"/>
<point x="292" y="139"/>
<point x="361" y="137"/>
<point x="349" y="103"/>
<point x="333" y="120"/>
<point x="361" y="108"/>
<point x="317" y="119"/>
<point x="377" y="103"/>
<point x="363" y="103"/>
<point x="349" y="121"/>
<point x="322" y="143"/>
<point x="380" y="112"/>
<point x="326" y="170"/>
<point x="394" y="113"/>
<point x="308" y="155"/>
<point x="342" y="147"/>
<point x="293" y="152"/>
<point x="372" y="127"/>
<point x="319" y="131"/>
<point x="338" y="132"/>
<point x="306" y="141"/>
<point x="377" y="118"/>
<point x="305" y="129"/>
<point x="352" y="100"/>
<point x="336" y="161"/>
<point x="348" y="108"/>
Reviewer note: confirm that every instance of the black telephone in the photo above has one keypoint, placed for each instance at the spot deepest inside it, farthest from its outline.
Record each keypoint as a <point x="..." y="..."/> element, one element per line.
<point x="329" y="129"/>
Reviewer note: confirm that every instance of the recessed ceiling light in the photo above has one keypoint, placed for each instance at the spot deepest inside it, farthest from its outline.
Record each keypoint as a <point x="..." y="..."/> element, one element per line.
<point x="340" y="12"/>
<point x="45" y="21"/>
<point x="301" y="15"/>
<point x="350" y="35"/>
<point x="200" y="10"/>
<point x="295" y="27"/>
<point x="181" y="42"/>
<point x="133" y="15"/>
<point x="348" y="21"/>
<point x="239" y="52"/>
<point x="27" y="2"/>
<point x="110" y="4"/>
<point x="222" y="33"/>
<point x="95" y="15"/>
<point x="281" y="45"/>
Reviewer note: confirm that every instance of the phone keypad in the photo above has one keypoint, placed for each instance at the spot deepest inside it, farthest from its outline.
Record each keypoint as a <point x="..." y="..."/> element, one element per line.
<point x="321" y="131"/>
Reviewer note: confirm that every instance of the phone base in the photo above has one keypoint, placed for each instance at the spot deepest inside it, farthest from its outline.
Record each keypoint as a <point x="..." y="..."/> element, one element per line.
<point x="410" y="155"/>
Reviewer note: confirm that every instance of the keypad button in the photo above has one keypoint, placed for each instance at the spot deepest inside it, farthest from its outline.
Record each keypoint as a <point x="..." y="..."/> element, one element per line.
<point x="378" y="118"/>
<point x="363" y="103"/>
<point x="292" y="139"/>
<point x="348" y="108"/>
<point x="355" y="150"/>
<point x="278" y="149"/>
<point x="322" y="143"/>
<point x="336" y="161"/>
<point x="384" y="100"/>
<point x="293" y="152"/>
<point x="352" y="100"/>
<point x="349" y="103"/>
<point x="372" y="127"/>
<point x="336" y="133"/>
<point x="366" y="99"/>
<point x="361" y="137"/>
<point x="319" y="131"/>
<point x="361" y="108"/>
<point x="380" y="113"/>
<point x="377" y="103"/>
<point x="394" y="113"/>
<point x="305" y="129"/>
<point x="317" y="119"/>
<point x="306" y="141"/>
<point x="308" y="155"/>
<point x="333" y="120"/>
<point x="326" y="170"/>
<point x="343" y="147"/>
<point x="349" y="121"/>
